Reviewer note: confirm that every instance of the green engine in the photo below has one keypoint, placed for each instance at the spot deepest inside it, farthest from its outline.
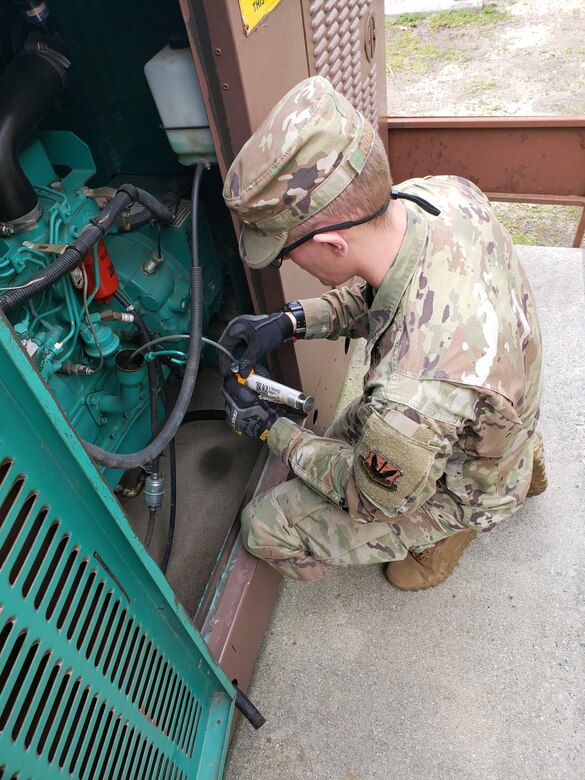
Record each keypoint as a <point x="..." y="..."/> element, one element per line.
<point x="74" y="332"/>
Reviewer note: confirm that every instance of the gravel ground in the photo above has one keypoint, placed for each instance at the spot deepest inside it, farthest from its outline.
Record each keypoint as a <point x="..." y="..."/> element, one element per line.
<point x="510" y="58"/>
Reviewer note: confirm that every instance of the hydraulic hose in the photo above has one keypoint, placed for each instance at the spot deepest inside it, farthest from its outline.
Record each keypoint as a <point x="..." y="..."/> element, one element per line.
<point x="89" y="236"/>
<point x="171" y="426"/>
<point x="150" y="528"/>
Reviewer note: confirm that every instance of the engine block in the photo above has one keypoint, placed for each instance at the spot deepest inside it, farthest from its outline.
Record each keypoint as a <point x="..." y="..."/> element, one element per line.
<point x="72" y="331"/>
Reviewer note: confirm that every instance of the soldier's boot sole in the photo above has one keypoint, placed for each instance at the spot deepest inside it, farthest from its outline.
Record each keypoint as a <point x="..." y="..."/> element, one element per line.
<point x="419" y="571"/>
<point x="538" y="481"/>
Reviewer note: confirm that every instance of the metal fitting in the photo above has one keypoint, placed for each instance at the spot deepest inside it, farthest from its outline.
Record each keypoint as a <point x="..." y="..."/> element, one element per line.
<point x="154" y="490"/>
<point x="151" y="265"/>
<point x="76" y="369"/>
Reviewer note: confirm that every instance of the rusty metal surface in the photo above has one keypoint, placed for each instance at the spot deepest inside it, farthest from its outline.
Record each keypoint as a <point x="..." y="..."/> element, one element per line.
<point x="234" y="615"/>
<point x="521" y="159"/>
<point x="530" y="156"/>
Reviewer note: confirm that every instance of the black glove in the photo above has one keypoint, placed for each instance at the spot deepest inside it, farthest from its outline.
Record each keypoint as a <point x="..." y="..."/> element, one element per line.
<point x="246" y="412"/>
<point x="259" y="334"/>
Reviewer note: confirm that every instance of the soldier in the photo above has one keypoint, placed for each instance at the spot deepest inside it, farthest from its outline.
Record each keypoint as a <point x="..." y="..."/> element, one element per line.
<point x="442" y="443"/>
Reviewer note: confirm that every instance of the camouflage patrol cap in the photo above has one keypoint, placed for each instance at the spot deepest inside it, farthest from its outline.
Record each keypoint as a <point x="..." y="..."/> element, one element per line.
<point x="304" y="154"/>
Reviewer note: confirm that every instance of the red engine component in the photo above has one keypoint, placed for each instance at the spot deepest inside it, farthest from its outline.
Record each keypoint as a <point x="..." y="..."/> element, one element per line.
<point x="108" y="277"/>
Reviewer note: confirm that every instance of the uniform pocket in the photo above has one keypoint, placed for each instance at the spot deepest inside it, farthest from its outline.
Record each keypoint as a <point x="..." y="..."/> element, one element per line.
<point x="393" y="460"/>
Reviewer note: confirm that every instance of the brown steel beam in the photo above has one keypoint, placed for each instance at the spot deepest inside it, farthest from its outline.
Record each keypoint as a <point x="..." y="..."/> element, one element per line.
<point x="522" y="159"/>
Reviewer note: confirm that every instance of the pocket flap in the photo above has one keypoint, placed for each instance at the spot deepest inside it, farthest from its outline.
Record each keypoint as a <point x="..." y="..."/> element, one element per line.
<point x="392" y="461"/>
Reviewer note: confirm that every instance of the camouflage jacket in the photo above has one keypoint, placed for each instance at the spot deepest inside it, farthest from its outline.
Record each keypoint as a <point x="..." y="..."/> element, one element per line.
<point x="452" y="390"/>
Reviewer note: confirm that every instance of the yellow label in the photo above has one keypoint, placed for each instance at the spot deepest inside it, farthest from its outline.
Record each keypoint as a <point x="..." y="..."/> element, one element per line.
<point x="264" y="435"/>
<point x="253" y="11"/>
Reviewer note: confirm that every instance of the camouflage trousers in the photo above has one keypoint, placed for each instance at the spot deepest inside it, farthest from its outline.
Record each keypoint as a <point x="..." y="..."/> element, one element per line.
<point x="300" y="533"/>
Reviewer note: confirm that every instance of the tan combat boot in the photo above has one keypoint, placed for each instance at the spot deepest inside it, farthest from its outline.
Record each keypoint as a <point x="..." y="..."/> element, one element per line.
<point x="430" y="567"/>
<point x="538" y="481"/>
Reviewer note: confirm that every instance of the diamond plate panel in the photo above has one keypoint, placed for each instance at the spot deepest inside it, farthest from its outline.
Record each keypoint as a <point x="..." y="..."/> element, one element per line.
<point x="337" y="50"/>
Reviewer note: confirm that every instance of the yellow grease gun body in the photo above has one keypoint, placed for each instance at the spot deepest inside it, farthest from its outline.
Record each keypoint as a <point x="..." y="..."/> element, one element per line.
<point x="269" y="390"/>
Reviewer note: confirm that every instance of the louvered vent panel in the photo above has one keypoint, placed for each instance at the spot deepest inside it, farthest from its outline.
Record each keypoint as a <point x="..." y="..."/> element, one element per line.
<point x="100" y="677"/>
<point x="338" y="51"/>
<point x="46" y="705"/>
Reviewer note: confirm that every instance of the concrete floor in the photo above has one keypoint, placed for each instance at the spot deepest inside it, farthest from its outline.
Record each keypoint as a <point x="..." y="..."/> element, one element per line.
<point x="482" y="677"/>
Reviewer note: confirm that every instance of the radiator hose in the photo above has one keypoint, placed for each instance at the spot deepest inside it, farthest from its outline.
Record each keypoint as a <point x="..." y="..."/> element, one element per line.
<point x="171" y="426"/>
<point x="29" y="86"/>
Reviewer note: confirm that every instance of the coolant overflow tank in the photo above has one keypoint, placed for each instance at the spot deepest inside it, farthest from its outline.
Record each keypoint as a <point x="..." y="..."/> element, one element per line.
<point x="173" y="82"/>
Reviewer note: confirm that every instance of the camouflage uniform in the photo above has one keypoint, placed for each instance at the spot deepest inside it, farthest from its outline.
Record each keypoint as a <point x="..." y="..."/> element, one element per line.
<point x="442" y="437"/>
<point x="443" y="434"/>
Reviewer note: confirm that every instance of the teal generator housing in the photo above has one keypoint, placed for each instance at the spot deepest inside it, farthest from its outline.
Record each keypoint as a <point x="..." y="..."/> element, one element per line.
<point x="101" y="673"/>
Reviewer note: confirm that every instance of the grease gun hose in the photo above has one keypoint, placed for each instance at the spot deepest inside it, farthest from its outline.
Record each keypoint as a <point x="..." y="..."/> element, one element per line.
<point x="171" y="426"/>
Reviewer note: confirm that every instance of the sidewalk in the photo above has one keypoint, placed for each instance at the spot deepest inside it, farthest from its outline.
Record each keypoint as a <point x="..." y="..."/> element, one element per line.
<point x="482" y="677"/>
<point x="399" y="7"/>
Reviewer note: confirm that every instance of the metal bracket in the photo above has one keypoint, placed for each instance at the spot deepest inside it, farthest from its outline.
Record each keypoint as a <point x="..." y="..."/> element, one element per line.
<point x="98" y="192"/>
<point x="57" y="249"/>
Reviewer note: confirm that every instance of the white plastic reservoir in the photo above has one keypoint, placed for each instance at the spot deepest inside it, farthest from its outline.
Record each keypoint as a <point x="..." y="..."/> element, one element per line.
<point x="173" y="82"/>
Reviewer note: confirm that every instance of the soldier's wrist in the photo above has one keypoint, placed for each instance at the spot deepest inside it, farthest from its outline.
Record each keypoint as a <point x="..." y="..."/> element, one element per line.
<point x="297" y="314"/>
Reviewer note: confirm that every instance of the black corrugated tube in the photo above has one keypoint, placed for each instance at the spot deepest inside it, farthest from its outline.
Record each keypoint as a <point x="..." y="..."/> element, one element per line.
<point x="89" y="236"/>
<point x="171" y="426"/>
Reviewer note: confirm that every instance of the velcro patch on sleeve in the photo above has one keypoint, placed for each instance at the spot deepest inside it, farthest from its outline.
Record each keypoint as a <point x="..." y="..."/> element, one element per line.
<point x="393" y="461"/>
<point x="380" y="470"/>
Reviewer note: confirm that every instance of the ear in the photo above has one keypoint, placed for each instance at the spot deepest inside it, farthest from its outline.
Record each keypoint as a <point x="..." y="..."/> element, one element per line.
<point x="334" y="240"/>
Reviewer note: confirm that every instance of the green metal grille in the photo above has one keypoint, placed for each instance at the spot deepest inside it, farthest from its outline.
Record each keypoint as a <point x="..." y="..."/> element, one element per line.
<point x="101" y="674"/>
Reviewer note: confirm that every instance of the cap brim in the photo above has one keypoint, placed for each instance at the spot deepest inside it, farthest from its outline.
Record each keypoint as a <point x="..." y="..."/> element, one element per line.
<point x="257" y="250"/>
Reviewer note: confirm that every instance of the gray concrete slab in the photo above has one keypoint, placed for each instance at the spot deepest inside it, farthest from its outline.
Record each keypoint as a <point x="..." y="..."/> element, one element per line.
<point x="399" y="7"/>
<point x="482" y="677"/>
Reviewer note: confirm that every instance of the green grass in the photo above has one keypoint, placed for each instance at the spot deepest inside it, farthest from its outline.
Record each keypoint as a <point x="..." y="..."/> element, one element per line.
<point x="406" y="50"/>
<point x="404" y="20"/>
<point x="539" y="225"/>
<point x="408" y="44"/>
<point x="450" y="19"/>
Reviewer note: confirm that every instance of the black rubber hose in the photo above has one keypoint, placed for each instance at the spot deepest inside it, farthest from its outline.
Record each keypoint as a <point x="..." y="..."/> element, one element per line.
<point x="203" y="414"/>
<point x="173" y="506"/>
<point x="89" y="236"/>
<point x="158" y="378"/>
<point x="150" y="527"/>
<point x="171" y="426"/>
<point x="172" y="474"/>
<point x="248" y="710"/>
<point x="28" y="88"/>
<point x="151" y="368"/>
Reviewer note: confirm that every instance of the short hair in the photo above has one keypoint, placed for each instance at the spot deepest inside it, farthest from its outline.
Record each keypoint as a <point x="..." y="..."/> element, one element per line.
<point x="363" y="195"/>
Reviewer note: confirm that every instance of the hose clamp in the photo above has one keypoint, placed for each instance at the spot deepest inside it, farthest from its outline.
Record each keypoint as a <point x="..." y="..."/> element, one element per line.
<point x="22" y="224"/>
